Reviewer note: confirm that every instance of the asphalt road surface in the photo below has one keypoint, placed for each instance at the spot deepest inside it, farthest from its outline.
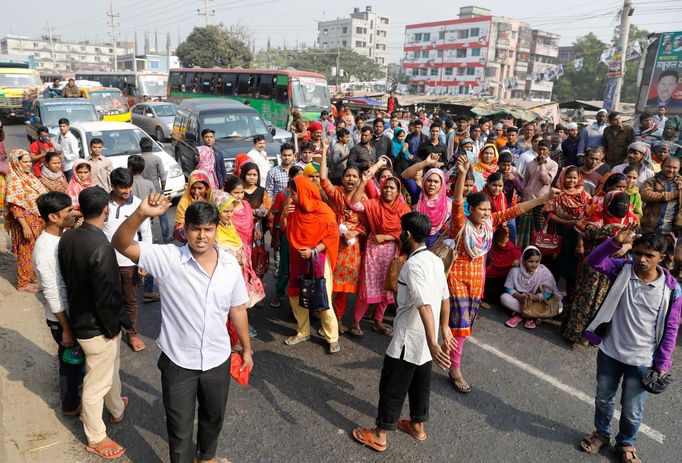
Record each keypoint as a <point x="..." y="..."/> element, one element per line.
<point x="532" y="397"/>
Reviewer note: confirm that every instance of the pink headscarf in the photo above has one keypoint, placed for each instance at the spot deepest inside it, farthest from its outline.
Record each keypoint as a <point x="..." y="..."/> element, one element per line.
<point x="437" y="209"/>
<point x="525" y="282"/>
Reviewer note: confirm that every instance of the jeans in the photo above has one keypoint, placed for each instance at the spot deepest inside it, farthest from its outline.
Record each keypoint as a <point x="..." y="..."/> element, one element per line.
<point x="165" y="227"/>
<point x="70" y="376"/>
<point x="633" y="395"/>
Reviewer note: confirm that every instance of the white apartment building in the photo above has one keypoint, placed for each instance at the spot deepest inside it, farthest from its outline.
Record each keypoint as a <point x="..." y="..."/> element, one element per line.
<point x="364" y="32"/>
<point x="57" y="55"/>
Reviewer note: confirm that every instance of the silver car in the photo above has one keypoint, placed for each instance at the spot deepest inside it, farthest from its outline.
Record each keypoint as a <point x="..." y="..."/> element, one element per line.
<point x="155" y="118"/>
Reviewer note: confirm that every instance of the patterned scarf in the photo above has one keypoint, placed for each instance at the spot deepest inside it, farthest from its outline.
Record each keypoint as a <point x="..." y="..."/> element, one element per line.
<point x="23" y="188"/>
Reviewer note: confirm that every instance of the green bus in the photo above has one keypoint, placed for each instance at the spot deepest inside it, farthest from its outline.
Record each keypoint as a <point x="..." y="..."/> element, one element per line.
<point x="270" y="92"/>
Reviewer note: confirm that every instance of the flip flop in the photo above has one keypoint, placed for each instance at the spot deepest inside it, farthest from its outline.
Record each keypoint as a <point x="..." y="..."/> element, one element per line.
<point x="110" y="445"/>
<point x="406" y="426"/>
<point x="386" y="330"/>
<point x="293" y="340"/>
<point x="366" y="437"/>
<point x="125" y="407"/>
<point x="355" y="332"/>
<point x="458" y="388"/>
<point x="136" y="344"/>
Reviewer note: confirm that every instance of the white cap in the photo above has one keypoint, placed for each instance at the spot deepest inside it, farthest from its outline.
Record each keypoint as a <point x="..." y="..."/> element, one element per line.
<point x="571" y="126"/>
<point x="602" y="110"/>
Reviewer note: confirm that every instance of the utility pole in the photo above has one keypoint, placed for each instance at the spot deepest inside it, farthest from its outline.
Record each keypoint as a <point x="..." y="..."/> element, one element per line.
<point x="206" y="14"/>
<point x="114" y="17"/>
<point x="623" y="46"/>
<point x="49" y="34"/>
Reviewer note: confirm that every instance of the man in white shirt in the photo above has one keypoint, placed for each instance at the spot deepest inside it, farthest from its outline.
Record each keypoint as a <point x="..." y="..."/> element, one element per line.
<point x="56" y="210"/>
<point x="528" y="156"/>
<point x="68" y="147"/>
<point x="260" y="157"/>
<point x="423" y="301"/>
<point x="201" y="286"/>
<point x="122" y="204"/>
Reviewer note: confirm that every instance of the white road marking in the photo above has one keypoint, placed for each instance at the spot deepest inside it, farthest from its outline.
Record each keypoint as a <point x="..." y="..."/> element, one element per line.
<point x="578" y="394"/>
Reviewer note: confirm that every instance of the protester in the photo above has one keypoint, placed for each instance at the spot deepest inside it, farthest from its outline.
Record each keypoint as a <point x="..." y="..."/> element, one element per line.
<point x="255" y="195"/>
<point x="79" y="182"/>
<point x="55" y="209"/>
<point x="305" y="156"/>
<point x="422" y="314"/>
<point x="642" y="311"/>
<point x="71" y="90"/>
<point x="363" y="154"/>
<point x="570" y="147"/>
<point x="592" y="136"/>
<point x="51" y="174"/>
<point x="205" y="162"/>
<point x="68" y="147"/>
<point x="339" y="156"/>
<point x="313" y="236"/>
<point x="503" y="256"/>
<point x="632" y="175"/>
<point x="486" y="163"/>
<point x="198" y="189"/>
<point x="617" y="137"/>
<point x="593" y="169"/>
<point x="639" y="156"/>
<point x="219" y="155"/>
<point x="416" y="138"/>
<point x="527" y="156"/>
<point x="39" y="149"/>
<point x="661" y="196"/>
<point x="401" y="156"/>
<point x="22" y="218"/>
<point x="201" y="289"/>
<point x="93" y="283"/>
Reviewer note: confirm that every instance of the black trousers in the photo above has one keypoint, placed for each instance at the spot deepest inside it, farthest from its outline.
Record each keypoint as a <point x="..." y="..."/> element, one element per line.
<point x="399" y="379"/>
<point x="182" y="389"/>
<point x="70" y="376"/>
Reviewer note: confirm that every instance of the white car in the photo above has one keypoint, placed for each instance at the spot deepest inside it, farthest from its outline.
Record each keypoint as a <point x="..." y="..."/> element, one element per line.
<point x="121" y="139"/>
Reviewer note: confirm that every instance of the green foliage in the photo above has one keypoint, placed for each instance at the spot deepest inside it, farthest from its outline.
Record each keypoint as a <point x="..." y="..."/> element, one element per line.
<point x="214" y="46"/>
<point x="630" y="90"/>
<point x="354" y="65"/>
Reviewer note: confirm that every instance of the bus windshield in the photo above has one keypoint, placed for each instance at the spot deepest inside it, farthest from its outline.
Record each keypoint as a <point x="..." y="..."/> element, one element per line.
<point x="108" y="100"/>
<point x="152" y="86"/>
<point x="234" y="125"/>
<point x="310" y="93"/>
<point x="19" y="80"/>
<point x="74" y="113"/>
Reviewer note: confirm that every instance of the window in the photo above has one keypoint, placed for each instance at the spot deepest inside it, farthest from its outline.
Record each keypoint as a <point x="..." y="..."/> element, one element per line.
<point x="358" y="44"/>
<point x="324" y="45"/>
<point x="475" y="52"/>
<point x="471" y="71"/>
<point x="325" y="32"/>
<point x="415" y="54"/>
<point x="461" y="53"/>
<point x="511" y="53"/>
<point x="425" y="53"/>
<point x="415" y="71"/>
<point x="463" y="34"/>
<point x="153" y="64"/>
<point x="370" y="39"/>
<point x="460" y="71"/>
<point x="266" y="84"/>
<point x="448" y="71"/>
<point x="434" y="71"/>
<point x="417" y="37"/>
<point x="474" y="32"/>
<point x="358" y="30"/>
<point x="344" y="30"/>
<point x="35" y="44"/>
<point x="422" y="71"/>
<point x="439" y="53"/>
<point x="383" y="20"/>
<point x="243" y="85"/>
<point x="426" y="37"/>
<point x="344" y="43"/>
<point x="229" y="82"/>
<point x="441" y="35"/>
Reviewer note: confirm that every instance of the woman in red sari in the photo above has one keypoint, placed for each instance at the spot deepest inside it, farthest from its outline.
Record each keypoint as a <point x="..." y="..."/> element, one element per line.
<point x="353" y="232"/>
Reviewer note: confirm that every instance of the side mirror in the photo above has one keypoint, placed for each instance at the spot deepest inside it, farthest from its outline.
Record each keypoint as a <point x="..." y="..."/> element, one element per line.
<point x="273" y="131"/>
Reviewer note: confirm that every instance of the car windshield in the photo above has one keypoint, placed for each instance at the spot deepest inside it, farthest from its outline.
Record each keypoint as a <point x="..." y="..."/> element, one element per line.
<point x="20" y="80"/>
<point x="50" y="114"/>
<point x="120" y="141"/>
<point x="153" y="86"/>
<point x="234" y="125"/>
<point x="310" y="93"/>
<point x="165" y="110"/>
<point x="108" y="100"/>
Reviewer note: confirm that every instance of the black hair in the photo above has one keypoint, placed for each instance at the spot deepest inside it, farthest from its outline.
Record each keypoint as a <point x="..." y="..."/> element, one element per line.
<point x="50" y="155"/>
<point x="51" y="203"/>
<point x="475" y="126"/>
<point x="308" y="146"/>
<point x="613" y="115"/>
<point x="512" y="130"/>
<point x="294" y="171"/>
<point x="651" y="240"/>
<point x="419" y="226"/>
<point x="146" y="145"/>
<point x="476" y="199"/>
<point x="292" y="185"/>
<point x="382" y="170"/>
<point x="613" y="179"/>
<point x="545" y="144"/>
<point x="96" y="141"/>
<point x="571" y="169"/>
<point x="494" y="177"/>
<point x="418" y="122"/>
<point x="643" y="116"/>
<point x="365" y="129"/>
<point x="56" y="79"/>
<point x="629" y="169"/>
<point x="528" y="253"/>
<point x="201" y="213"/>
<point x="671" y="158"/>
<point x="658" y="147"/>
<point x="449" y="124"/>
<point x="87" y="165"/>
<point x="339" y="122"/>
<point x="232" y="182"/>
<point x="351" y="168"/>
<point x="342" y="132"/>
<point x="258" y="138"/>
<point x="434" y="126"/>
<point x="42" y="129"/>
<point x="63" y="120"/>
<point x="360" y="117"/>
<point x="205" y="131"/>
<point x="377" y="121"/>
<point x="594" y="148"/>
<point x="483" y="120"/>
<point x="286" y="146"/>
<point x="462" y="117"/>
<point x="92" y="201"/>
<point x="669" y="73"/>
<point x="505" y="157"/>
<point x="324" y="113"/>
<point x="136" y="164"/>
<point x="245" y="168"/>
<point x="121" y="177"/>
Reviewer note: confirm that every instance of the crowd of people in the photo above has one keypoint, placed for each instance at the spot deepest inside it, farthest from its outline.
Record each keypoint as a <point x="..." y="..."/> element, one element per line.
<point x="513" y="210"/>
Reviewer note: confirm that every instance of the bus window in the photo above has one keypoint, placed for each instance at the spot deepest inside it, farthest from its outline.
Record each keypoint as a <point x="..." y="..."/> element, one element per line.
<point x="217" y="84"/>
<point x="265" y="86"/>
<point x="187" y="83"/>
<point x="206" y="81"/>
<point x="229" y="83"/>
<point x="174" y="81"/>
<point x="243" y="86"/>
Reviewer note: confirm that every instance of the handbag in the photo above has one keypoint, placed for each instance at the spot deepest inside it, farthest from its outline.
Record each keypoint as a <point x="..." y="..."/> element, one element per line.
<point x="543" y="309"/>
<point x="260" y="259"/>
<point x="313" y="295"/>
<point x="548" y="243"/>
<point x="394" y="268"/>
<point x="447" y="253"/>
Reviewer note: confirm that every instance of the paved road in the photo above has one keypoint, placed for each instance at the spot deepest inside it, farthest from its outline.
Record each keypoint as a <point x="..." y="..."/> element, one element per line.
<point x="532" y="398"/>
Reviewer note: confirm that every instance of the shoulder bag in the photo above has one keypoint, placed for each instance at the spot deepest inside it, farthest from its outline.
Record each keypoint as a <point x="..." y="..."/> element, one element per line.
<point x="548" y="243"/>
<point x="260" y="259"/>
<point x="313" y="295"/>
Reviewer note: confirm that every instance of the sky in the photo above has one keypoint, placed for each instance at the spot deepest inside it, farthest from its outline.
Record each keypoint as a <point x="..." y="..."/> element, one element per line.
<point x="295" y="21"/>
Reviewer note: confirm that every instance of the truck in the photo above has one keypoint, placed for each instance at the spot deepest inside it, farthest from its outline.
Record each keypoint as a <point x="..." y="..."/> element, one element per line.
<point x="17" y="77"/>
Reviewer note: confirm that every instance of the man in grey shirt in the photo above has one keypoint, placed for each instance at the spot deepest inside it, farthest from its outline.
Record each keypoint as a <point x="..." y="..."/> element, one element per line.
<point x="339" y="155"/>
<point x="154" y="171"/>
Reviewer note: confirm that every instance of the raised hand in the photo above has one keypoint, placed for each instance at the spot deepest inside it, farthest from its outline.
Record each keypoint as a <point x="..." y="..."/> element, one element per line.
<point x="155" y="205"/>
<point x="626" y="235"/>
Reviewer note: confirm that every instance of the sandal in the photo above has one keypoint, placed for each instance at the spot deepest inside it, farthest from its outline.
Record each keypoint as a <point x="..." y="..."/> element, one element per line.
<point x="366" y="437"/>
<point x="293" y="340"/>
<point x="120" y="418"/>
<point x="136" y="344"/>
<point x="99" y="449"/>
<point x="514" y="321"/>
<point x="357" y="332"/>
<point x="461" y="389"/>
<point x="530" y="324"/>
<point x="627" y="454"/>
<point x="406" y="426"/>
<point x="594" y="442"/>
<point x="386" y="330"/>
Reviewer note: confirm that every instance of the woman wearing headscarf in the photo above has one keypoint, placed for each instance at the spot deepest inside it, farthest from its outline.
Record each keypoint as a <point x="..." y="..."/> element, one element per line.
<point x="400" y="151"/>
<point x="198" y="189"/>
<point x="22" y="219"/>
<point x="529" y="282"/>
<point x="486" y="164"/>
<point x="255" y="194"/>
<point x="591" y="286"/>
<point x="81" y="179"/>
<point x="564" y="211"/>
<point x="206" y="163"/>
<point x="313" y="235"/>
<point x="382" y="218"/>
<point x="473" y="238"/>
<point x="51" y="174"/>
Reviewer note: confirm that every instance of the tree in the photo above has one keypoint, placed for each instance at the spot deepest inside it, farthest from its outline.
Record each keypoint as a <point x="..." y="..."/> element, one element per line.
<point x="214" y="46"/>
<point x="354" y="65"/>
<point x="589" y="82"/>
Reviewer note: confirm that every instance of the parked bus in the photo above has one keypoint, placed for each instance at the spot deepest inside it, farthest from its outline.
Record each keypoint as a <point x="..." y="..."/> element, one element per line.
<point x="270" y="92"/>
<point x="134" y="85"/>
<point x="16" y="76"/>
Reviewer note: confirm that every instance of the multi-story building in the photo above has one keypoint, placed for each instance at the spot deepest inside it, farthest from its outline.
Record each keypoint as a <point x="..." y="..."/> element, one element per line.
<point x="364" y="32"/>
<point x="479" y="53"/>
<point x="53" y="54"/>
<point x="567" y="54"/>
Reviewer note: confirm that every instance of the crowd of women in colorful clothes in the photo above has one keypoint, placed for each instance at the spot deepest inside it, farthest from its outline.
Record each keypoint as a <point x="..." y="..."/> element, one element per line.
<point x="536" y="198"/>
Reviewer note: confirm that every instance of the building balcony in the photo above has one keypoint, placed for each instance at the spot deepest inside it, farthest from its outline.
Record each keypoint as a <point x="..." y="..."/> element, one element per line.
<point x="545" y="50"/>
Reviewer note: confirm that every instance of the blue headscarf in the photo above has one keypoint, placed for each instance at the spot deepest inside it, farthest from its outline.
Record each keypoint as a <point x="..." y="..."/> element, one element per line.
<point x="398" y="146"/>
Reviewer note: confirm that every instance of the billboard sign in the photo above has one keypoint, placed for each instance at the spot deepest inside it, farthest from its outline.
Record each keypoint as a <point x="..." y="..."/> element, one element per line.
<point x="665" y="88"/>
